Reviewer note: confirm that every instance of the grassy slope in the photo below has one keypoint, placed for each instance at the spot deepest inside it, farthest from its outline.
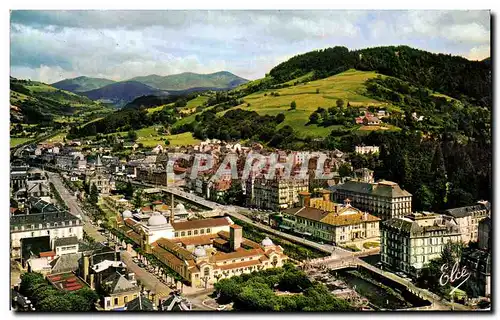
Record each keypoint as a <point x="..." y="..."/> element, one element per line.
<point x="149" y="137"/>
<point x="17" y="141"/>
<point x="348" y="85"/>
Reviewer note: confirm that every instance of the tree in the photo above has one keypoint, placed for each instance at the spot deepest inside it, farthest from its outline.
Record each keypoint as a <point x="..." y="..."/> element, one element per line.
<point x="293" y="105"/>
<point x="167" y="142"/>
<point x="29" y="281"/>
<point x="55" y="303"/>
<point x="340" y="103"/>
<point x="94" y="194"/>
<point x="424" y="198"/>
<point x="132" y="135"/>
<point x="129" y="190"/>
<point x="138" y="202"/>
<point x="345" y="170"/>
<point x="317" y="91"/>
<point x="280" y="118"/>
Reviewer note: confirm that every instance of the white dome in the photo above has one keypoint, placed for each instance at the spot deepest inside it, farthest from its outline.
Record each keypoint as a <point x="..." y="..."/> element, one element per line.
<point x="127" y="214"/>
<point x="199" y="252"/>
<point x="157" y="220"/>
<point x="180" y="206"/>
<point x="267" y="242"/>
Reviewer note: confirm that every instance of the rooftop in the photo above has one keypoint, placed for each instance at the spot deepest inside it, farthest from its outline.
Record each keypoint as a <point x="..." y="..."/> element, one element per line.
<point x="387" y="189"/>
<point x="203" y="223"/>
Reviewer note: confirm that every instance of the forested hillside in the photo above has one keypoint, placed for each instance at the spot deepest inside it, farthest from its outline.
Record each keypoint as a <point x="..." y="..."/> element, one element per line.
<point x="35" y="102"/>
<point x="451" y="75"/>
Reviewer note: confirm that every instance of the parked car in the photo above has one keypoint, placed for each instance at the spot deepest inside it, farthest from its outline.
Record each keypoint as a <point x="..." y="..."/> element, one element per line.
<point x="141" y="265"/>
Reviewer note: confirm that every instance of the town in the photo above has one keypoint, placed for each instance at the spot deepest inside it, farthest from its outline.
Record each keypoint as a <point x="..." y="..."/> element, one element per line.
<point x="251" y="161"/>
<point x="141" y="238"/>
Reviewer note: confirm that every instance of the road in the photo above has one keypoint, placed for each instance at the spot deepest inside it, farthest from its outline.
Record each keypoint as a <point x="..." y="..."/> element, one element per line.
<point x="149" y="281"/>
<point x="74" y="207"/>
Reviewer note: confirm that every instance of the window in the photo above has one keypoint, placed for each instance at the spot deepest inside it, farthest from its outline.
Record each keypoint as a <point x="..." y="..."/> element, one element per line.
<point x="202" y="231"/>
<point x="176" y="234"/>
<point x="70" y="230"/>
<point x="32" y="234"/>
<point x="48" y="231"/>
<point x="183" y="234"/>
<point x="189" y="232"/>
<point x="40" y="226"/>
<point x="243" y="259"/>
<point x="32" y="226"/>
<point x="116" y="301"/>
<point x="206" y="272"/>
<point x="125" y="299"/>
<point x="196" y="276"/>
<point x="208" y="230"/>
<point x="195" y="232"/>
<point x="108" y="303"/>
<point x="48" y="224"/>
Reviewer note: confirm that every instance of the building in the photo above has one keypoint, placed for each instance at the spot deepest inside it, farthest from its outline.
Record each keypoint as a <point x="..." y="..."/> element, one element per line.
<point x="118" y="289"/>
<point x="40" y="232"/>
<point x="484" y="234"/>
<point x="37" y="184"/>
<point x="103" y="181"/>
<point x="275" y="194"/>
<point x="367" y="149"/>
<point x="201" y="251"/>
<point x="478" y="262"/>
<point x="175" y="302"/>
<point x="331" y="222"/>
<point x="468" y="220"/>
<point x="141" y="303"/>
<point x="409" y="243"/>
<point x="384" y="199"/>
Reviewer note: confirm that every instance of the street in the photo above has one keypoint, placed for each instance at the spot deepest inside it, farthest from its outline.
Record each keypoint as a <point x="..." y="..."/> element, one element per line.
<point x="74" y="208"/>
<point x="149" y="281"/>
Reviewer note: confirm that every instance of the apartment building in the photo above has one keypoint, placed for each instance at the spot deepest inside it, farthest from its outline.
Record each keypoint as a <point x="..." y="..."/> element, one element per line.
<point x="409" y="243"/>
<point x="468" y="219"/>
<point x="275" y="194"/>
<point x="384" y="199"/>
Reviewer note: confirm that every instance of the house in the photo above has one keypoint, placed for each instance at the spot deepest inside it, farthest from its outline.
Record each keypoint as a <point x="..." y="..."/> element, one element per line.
<point x="371" y="121"/>
<point x="175" y="302"/>
<point x="118" y="289"/>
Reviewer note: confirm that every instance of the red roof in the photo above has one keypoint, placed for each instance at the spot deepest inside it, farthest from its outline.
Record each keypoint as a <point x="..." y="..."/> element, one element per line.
<point x="157" y="202"/>
<point x="47" y="254"/>
<point x="12" y="210"/>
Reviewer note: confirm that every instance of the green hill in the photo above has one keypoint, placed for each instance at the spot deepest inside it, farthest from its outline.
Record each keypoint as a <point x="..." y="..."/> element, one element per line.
<point x="82" y="84"/>
<point x="37" y="102"/>
<point x="188" y="80"/>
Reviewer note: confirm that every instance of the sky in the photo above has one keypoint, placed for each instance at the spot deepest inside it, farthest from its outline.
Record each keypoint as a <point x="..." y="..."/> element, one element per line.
<point x="50" y="46"/>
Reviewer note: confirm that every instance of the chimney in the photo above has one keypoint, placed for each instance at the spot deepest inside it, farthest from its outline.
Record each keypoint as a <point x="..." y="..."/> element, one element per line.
<point x="365" y="216"/>
<point x="235" y="236"/>
<point x="304" y="199"/>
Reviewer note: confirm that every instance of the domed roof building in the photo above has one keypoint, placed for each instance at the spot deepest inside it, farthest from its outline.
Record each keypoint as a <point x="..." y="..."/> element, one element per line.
<point x="199" y="252"/>
<point x="267" y="242"/>
<point x="157" y="220"/>
<point x="127" y="214"/>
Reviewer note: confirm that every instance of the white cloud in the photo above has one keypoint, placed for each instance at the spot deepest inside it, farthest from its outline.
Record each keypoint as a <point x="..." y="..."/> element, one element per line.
<point x="121" y="45"/>
<point x="478" y="53"/>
